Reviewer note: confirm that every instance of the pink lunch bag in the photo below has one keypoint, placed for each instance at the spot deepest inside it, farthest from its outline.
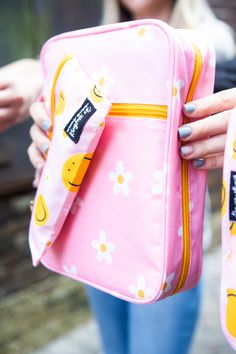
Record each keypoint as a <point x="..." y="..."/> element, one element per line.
<point x="116" y="207"/>
<point x="228" y="275"/>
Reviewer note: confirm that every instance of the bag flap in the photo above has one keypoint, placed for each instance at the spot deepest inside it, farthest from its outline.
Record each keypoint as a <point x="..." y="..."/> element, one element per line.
<point x="78" y="112"/>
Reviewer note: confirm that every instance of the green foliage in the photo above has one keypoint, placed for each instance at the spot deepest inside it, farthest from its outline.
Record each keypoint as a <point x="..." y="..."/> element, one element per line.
<point x="24" y="26"/>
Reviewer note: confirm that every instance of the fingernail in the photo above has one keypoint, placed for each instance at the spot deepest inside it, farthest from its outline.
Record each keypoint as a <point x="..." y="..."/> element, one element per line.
<point x="44" y="147"/>
<point x="186" y="150"/>
<point x="199" y="163"/>
<point x="184" y="132"/>
<point x="34" y="183"/>
<point x="189" y="107"/>
<point x="46" y="124"/>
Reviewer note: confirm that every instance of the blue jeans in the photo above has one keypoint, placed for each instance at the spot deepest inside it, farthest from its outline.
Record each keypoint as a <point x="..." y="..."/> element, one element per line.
<point x="165" y="327"/>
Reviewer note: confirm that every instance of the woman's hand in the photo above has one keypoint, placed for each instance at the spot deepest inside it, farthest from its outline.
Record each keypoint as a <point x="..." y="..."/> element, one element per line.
<point x="40" y="141"/>
<point x="204" y="140"/>
<point x="20" y="84"/>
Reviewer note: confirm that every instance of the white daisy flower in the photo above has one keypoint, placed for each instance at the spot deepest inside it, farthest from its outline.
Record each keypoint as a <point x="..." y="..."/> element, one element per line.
<point x="167" y="285"/>
<point x="140" y="291"/>
<point x="157" y="188"/>
<point x="141" y="35"/>
<point x="120" y="179"/>
<point x="70" y="269"/>
<point x="103" y="80"/>
<point x="178" y="85"/>
<point x="104" y="248"/>
<point x="78" y="202"/>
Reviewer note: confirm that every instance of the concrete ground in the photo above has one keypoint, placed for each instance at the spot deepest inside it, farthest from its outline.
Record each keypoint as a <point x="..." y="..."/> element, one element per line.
<point x="208" y="340"/>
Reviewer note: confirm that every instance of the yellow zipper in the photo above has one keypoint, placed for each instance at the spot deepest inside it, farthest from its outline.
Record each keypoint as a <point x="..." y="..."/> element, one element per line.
<point x="52" y="98"/>
<point x="198" y="63"/>
<point x="129" y="110"/>
<point x="138" y="110"/>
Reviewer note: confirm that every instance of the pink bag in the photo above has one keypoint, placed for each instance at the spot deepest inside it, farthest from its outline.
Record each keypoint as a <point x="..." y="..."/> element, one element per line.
<point x="133" y="227"/>
<point x="228" y="276"/>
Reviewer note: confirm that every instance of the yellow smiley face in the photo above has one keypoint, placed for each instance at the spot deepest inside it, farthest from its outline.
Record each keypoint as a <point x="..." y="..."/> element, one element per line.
<point x="41" y="213"/>
<point x="231" y="312"/>
<point x="223" y="199"/>
<point x="74" y="169"/>
<point x="61" y="104"/>
<point x="232" y="228"/>
<point x="234" y="150"/>
<point x="96" y="94"/>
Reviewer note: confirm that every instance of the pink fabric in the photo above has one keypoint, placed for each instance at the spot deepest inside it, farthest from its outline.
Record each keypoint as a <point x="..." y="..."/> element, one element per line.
<point x="123" y="232"/>
<point x="228" y="276"/>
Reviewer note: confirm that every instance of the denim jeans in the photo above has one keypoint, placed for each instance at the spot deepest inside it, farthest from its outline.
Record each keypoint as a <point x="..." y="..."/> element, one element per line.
<point x="165" y="327"/>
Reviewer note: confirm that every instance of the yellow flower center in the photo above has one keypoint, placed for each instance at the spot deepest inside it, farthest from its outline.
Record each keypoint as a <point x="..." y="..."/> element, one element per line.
<point x="49" y="243"/>
<point x="174" y="91"/>
<point x="141" y="293"/>
<point x="120" y="179"/>
<point x="101" y="81"/>
<point x="142" y="32"/>
<point x="103" y="247"/>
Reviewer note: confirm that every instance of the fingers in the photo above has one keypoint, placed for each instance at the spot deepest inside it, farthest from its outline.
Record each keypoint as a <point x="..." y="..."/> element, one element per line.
<point x="37" y="178"/>
<point x="209" y="162"/>
<point x="39" y="138"/>
<point x="9" y="97"/>
<point x="35" y="156"/>
<point x="202" y="148"/>
<point x="216" y="103"/>
<point x="40" y="116"/>
<point x="41" y="142"/>
<point x="203" y="128"/>
<point x="5" y="125"/>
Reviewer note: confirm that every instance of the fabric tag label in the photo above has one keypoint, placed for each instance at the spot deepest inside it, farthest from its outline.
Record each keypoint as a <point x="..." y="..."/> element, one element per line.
<point x="75" y="126"/>
<point x="232" y="197"/>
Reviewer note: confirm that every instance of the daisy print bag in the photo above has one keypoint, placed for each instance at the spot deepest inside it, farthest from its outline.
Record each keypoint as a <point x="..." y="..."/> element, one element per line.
<point x="228" y="213"/>
<point x="116" y="207"/>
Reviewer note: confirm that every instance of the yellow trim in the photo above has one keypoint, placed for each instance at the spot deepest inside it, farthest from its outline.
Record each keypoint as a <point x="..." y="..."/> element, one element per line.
<point x="198" y="63"/>
<point x="137" y="110"/>
<point x="53" y="99"/>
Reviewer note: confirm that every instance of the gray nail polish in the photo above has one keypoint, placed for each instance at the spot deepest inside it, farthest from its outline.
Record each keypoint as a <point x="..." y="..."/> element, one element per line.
<point x="199" y="163"/>
<point x="44" y="147"/>
<point x="189" y="107"/>
<point x="46" y="124"/>
<point x="184" y="132"/>
<point x="186" y="150"/>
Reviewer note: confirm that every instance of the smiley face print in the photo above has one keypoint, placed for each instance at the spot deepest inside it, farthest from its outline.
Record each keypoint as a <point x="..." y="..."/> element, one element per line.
<point x="234" y="149"/>
<point x="96" y="95"/>
<point x="223" y="199"/>
<point x="232" y="228"/>
<point x="231" y="312"/>
<point x="74" y="170"/>
<point x="61" y="104"/>
<point x="41" y="213"/>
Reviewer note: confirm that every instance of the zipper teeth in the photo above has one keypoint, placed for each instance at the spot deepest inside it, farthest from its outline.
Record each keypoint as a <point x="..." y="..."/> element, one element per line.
<point x="138" y="110"/>
<point x="184" y="179"/>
